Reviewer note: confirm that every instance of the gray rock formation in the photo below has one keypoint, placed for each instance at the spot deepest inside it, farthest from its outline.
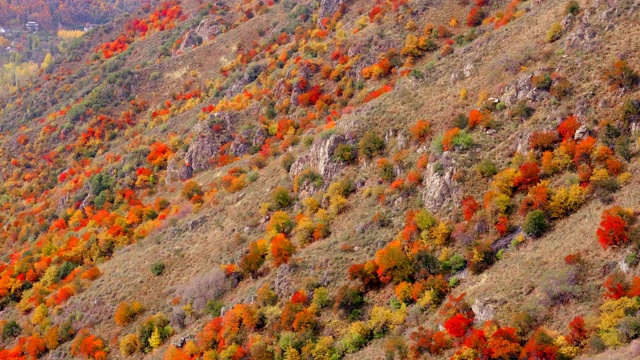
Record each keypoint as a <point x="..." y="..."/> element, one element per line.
<point x="320" y="158"/>
<point x="484" y="309"/>
<point x="439" y="186"/>
<point x="204" y="146"/>
<point x="521" y="89"/>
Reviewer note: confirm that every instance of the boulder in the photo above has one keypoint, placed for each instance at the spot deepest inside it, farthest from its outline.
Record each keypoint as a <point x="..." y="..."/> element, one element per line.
<point x="521" y="89"/>
<point x="484" y="309"/>
<point x="582" y="133"/>
<point x="189" y="41"/>
<point x="439" y="186"/>
<point x="240" y="145"/>
<point x="208" y="28"/>
<point x="178" y="169"/>
<point x="320" y="158"/>
<point x="205" y="144"/>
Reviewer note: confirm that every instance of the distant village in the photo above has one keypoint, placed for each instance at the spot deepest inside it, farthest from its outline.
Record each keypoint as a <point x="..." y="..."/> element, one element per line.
<point x="29" y="27"/>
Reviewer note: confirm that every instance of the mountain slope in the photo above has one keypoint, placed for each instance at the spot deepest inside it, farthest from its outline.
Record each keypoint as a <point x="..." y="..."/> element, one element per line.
<point x="270" y="184"/>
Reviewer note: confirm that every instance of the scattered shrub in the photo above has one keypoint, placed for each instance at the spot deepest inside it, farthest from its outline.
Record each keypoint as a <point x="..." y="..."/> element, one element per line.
<point x="371" y="145"/>
<point x="554" y="33"/>
<point x="281" y="198"/>
<point x="535" y="223"/>
<point x="157" y="268"/>
<point x="129" y="345"/>
<point x="345" y="152"/>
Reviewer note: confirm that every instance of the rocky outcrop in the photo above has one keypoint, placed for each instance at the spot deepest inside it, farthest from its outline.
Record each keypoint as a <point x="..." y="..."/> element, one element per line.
<point x="189" y="41"/>
<point x="208" y="28"/>
<point x="328" y="8"/>
<point x="204" y="145"/>
<point x="320" y="158"/>
<point x="440" y="188"/>
<point x="519" y="90"/>
<point x="582" y="133"/>
<point x="484" y="310"/>
<point x="178" y="169"/>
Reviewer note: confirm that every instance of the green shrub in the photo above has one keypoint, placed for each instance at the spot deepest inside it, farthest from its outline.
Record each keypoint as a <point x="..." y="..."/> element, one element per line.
<point x="463" y="140"/>
<point x="345" y="152"/>
<point x="65" y="269"/>
<point x="461" y="121"/>
<point x="521" y="111"/>
<point x="213" y="307"/>
<point x="455" y="263"/>
<point x="11" y="329"/>
<point x="535" y="223"/>
<point x="308" y="176"/>
<point x="287" y="160"/>
<point x="252" y="176"/>
<point x="572" y="8"/>
<point x="371" y="145"/>
<point x="349" y="300"/>
<point x="487" y="168"/>
<point x="281" y="198"/>
<point x="157" y="268"/>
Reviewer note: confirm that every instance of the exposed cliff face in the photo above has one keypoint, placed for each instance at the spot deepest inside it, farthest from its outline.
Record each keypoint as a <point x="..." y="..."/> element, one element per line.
<point x="205" y="144"/>
<point x="440" y="188"/>
<point x="320" y="158"/>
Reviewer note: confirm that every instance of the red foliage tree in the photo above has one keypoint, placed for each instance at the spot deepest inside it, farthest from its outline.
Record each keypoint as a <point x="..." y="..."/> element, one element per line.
<point x="475" y="116"/>
<point x="616" y="286"/>
<point x="367" y="273"/>
<point x="475" y="17"/>
<point x="469" y="207"/>
<point x="458" y="325"/>
<point x="429" y="341"/>
<point x="504" y="343"/>
<point x="613" y="228"/>
<point x="568" y="127"/>
<point x="577" y="331"/>
<point x="540" y="346"/>
<point x="528" y="175"/>
<point x="282" y="249"/>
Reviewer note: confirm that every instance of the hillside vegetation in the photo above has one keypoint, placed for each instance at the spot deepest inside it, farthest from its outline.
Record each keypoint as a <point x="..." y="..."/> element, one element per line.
<point x="323" y="180"/>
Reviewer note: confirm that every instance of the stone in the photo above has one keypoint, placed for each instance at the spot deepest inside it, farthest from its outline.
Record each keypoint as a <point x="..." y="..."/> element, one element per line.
<point x="362" y="228"/>
<point x="320" y="158"/>
<point x="582" y="133"/>
<point x="240" y="145"/>
<point x="189" y="41"/>
<point x="196" y="223"/>
<point x="505" y="241"/>
<point x="468" y="70"/>
<point x="439" y="186"/>
<point x="208" y="28"/>
<point x="521" y="89"/>
<point x="624" y="267"/>
<point x="484" y="310"/>
<point x="204" y="146"/>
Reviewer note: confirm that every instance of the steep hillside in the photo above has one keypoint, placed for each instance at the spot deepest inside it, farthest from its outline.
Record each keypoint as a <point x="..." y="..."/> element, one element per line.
<point x="326" y="179"/>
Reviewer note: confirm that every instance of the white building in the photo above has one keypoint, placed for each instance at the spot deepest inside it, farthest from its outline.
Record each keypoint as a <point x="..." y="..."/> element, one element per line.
<point x="2" y="31"/>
